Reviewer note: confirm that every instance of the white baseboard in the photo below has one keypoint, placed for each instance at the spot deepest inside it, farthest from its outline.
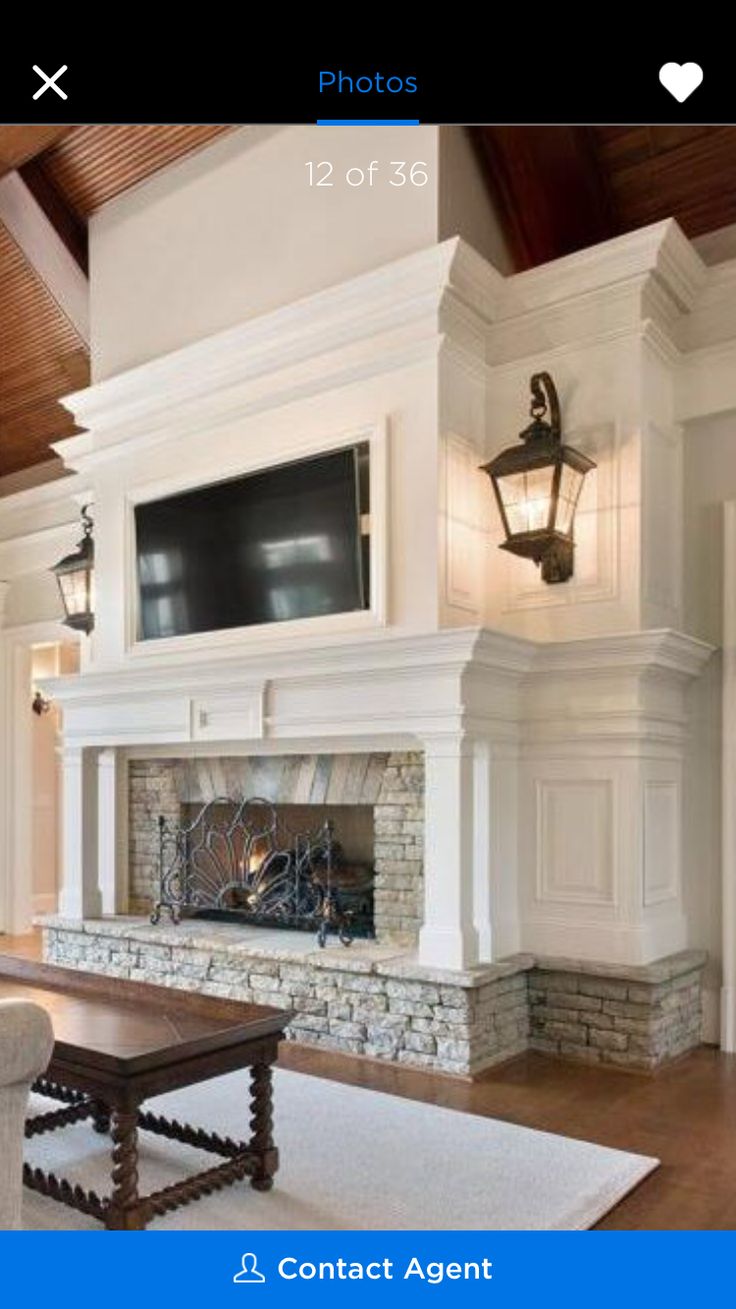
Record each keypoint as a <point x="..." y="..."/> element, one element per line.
<point x="728" y="1019"/>
<point x="711" y="1029"/>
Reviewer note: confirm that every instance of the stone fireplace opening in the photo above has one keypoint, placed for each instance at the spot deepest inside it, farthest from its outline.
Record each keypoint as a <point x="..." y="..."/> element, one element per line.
<point x="370" y="805"/>
<point x="298" y="866"/>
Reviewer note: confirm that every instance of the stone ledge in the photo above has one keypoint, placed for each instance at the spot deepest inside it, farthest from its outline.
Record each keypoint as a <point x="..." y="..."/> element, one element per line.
<point x="410" y="968"/>
<point x="360" y="957"/>
<point x="232" y="939"/>
<point x="662" y="970"/>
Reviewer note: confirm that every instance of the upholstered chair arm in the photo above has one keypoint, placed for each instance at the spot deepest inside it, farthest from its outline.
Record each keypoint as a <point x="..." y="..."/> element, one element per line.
<point x="26" y="1041"/>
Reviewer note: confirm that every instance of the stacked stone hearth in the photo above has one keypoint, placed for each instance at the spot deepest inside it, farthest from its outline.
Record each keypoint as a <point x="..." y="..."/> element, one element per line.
<point x="633" y="1017"/>
<point x="371" y="1000"/>
<point x="362" y="1000"/>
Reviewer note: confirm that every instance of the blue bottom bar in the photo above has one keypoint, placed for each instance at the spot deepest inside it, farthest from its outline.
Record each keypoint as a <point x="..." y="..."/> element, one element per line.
<point x="426" y="1270"/>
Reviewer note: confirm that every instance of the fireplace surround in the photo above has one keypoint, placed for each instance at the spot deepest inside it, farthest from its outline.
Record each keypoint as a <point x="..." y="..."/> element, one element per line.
<point x="381" y="1003"/>
<point x="375" y="801"/>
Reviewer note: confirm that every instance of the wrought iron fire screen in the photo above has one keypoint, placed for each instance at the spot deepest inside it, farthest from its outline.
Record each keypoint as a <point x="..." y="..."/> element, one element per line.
<point x="234" y="861"/>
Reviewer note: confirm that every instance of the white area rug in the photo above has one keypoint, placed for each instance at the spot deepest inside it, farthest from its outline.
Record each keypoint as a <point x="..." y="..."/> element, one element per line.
<point x="352" y="1158"/>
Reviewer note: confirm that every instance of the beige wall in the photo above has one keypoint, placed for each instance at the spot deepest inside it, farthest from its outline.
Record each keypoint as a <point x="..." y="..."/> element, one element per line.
<point x="465" y="206"/>
<point x="236" y="230"/>
<point x="33" y="598"/>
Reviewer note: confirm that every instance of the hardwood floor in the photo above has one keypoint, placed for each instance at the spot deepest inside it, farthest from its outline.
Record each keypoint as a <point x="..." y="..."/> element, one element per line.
<point x="686" y="1116"/>
<point x="28" y="947"/>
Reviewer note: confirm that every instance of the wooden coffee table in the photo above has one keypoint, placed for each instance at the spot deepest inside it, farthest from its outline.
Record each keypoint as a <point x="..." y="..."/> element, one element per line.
<point x="117" y="1044"/>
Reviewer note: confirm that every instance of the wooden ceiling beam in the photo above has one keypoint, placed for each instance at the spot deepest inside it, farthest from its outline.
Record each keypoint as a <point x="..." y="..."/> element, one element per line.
<point x="71" y="229"/>
<point x="45" y="251"/>
<point x="548" y="190"/>
<point x="21" y="142"/>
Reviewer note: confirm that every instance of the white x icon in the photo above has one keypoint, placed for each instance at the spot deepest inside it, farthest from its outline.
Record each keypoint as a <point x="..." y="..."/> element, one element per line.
<point x="50" y="82"/>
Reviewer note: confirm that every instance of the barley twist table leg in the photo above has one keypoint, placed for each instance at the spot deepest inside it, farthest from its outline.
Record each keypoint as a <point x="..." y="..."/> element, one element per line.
<point x="261" y="1123"/>
<point x="124" y="1210"/>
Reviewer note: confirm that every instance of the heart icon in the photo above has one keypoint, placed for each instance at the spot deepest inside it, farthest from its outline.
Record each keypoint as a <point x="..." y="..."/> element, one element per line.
<point x="681" y="79"/>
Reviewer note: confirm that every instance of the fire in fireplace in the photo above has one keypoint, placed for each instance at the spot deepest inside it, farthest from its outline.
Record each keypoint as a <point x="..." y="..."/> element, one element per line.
<point x="244" y="861"/>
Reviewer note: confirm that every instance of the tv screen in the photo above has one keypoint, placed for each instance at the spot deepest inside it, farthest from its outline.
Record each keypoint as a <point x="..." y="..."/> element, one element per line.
<point x="275" y="545"/>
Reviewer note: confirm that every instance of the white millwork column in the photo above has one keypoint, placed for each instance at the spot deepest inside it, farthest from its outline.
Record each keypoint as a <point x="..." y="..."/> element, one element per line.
<point x="601" y="797"/>
<point x="449" y="937"/>
<point x="112" y="774"/>
<point x="482" y="873"/>
<point x="494" y="827"/>
<point x="80" y="892"/>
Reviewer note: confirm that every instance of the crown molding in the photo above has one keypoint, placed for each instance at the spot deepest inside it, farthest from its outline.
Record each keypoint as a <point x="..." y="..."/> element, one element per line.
<point x="173" y="418"/>
<point x="593" y="318"/>
<point x="609" y="292"/>
<point x="679" y="268"/>
<point x="660" y="250"/>
<point x="451" y="650"/>
<point x="369" y="324"/>
<point x="456" y="685"/>
<point x="638" y="286"/>
<point x="661" y="344"/>
<point x="411" y="659"/>
<point x="660" y="648"/>
<point x="475" y="282"/>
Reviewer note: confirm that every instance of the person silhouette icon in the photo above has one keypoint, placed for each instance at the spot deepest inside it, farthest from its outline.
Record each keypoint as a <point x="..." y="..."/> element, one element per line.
<point x="249" y="1271"/>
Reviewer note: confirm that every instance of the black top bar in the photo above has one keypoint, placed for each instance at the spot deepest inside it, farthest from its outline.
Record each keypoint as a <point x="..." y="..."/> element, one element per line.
<point x="484" y="79"/>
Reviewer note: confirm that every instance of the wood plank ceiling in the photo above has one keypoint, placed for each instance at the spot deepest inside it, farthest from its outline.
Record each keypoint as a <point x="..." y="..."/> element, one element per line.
<point x="689" y="172"/>
<point x="554" y="190"/>
<point x="92" y="165"/>
<point x="19" y="143"/>
<point x="41" y="359"/>
<point x="72" y="172"/>
<point x="558" y="189"/>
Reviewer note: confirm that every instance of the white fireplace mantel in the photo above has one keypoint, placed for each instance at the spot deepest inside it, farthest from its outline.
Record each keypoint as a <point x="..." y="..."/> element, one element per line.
<point x="553" y="773"/>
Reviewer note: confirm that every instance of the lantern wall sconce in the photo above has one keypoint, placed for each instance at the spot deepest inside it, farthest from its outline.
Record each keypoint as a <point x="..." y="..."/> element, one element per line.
<point x="40" y="705"/>
<point x="537" y="487"/>
<point x="75" y="574"/>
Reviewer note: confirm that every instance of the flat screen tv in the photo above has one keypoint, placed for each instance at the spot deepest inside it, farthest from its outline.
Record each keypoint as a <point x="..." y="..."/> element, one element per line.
<point x="278" y="544"/>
